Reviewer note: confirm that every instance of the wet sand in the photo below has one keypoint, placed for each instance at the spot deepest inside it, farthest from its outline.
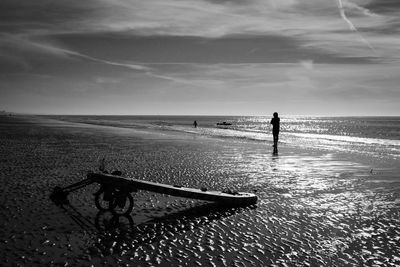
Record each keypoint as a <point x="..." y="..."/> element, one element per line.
<point x="316" y="208"/>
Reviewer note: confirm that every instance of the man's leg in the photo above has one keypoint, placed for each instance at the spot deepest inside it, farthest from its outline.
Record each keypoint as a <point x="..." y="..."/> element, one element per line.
<point x="275" y="144"/>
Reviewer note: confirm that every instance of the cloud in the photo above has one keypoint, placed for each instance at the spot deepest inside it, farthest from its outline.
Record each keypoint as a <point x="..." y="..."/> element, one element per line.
<point x="22" y="55"/>
<point x="382" y="6"/>
<point x="308" y="64"/>
<point x="288" y="86"/>
<point x="188" y="49"/>
<point x="211" y="50"/>
<point x="310" y="21"/>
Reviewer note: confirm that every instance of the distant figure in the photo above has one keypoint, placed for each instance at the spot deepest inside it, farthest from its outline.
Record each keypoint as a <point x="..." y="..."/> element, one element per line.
<point x="275" y="130"/>
<point x="195" y="124"/>
<point x="102" y="165"/>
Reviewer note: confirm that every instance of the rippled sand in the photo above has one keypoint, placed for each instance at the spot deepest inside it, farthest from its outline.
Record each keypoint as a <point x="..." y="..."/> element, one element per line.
<point x="315" y="208"/>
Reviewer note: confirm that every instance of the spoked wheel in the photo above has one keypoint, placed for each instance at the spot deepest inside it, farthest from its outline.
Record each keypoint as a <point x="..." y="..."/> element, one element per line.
<point x="121" y="203"/>
<point x="102" y="199"/>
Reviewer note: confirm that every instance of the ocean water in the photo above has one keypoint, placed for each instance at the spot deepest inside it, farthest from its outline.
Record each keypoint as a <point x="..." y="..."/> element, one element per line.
<point x="372" y="136"/>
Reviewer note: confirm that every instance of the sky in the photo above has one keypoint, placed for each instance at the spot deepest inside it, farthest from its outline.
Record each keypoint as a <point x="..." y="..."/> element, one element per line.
<point x="200" y="57"/>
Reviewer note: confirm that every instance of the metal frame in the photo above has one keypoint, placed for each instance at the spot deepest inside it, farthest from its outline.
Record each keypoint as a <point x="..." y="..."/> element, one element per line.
<point x="110" y="196"/>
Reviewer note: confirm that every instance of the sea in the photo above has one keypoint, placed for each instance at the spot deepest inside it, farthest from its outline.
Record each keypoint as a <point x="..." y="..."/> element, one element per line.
<point x="372" y="136"/>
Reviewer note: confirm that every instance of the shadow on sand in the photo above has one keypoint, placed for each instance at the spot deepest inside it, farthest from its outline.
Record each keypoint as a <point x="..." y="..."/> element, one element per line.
<point x="113" y="234"/>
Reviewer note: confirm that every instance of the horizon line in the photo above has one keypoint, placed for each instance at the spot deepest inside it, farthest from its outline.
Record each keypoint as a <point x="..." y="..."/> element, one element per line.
<point x="192" y="115"/>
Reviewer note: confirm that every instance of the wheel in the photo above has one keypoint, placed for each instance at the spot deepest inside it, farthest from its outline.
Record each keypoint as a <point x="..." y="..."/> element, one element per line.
<point x="101" y="200"/>
<point x="121" y="203"/>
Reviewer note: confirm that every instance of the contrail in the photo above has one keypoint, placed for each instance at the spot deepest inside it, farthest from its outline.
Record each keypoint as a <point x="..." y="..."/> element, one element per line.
<point x="62" y="51"/>
<point x="343" y="15"/>
<point x="129" y="66"/>
<point x="351" y="25"/>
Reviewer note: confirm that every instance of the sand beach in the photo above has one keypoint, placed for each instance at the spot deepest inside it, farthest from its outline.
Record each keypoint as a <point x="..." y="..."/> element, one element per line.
<point x="315" y="207"/>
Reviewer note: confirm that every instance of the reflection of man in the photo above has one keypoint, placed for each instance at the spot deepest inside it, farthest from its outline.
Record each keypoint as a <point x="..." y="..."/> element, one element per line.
<point x="275" y="130"/>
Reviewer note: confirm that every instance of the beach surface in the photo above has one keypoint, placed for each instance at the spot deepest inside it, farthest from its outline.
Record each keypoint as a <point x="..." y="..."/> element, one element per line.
<point x="315" y="207"/>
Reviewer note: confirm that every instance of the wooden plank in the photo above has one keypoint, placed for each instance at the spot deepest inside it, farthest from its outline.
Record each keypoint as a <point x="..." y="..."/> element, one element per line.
<point x="131" y="184"/>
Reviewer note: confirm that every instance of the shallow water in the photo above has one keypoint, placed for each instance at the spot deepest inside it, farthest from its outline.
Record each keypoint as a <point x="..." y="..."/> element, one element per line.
<point x="316" y="207"/>
<point x="374" y="136"/>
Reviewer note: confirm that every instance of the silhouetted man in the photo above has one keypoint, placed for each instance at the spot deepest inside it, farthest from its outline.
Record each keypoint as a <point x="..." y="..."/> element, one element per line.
<point x="275" y="130"/>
